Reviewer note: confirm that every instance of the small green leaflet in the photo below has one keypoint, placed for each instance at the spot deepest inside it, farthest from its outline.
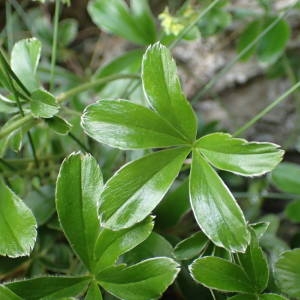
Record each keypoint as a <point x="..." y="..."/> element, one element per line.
<point x="286" y="177"/>
<point x="59" y="125"/>
<point x="239" y="156"/>
<point x="137" y="188"/>
<point x="49" y="287"/>
<point x="145" y="280"/>
<point x="215" y="208"/>
<point x="25" y="57"/>
<point x="17" y="223"/>
<point x="272" y="45"/>
<point x="258" y="297"/>
<point x="43" y="104"/>
<point x="191" y="246"/>
<point x="254" y="263"/>
<point x="164" y="93"/>
<point x="125" y="125"/>
<point x="135" y="24"/>
<point x="154" y="246"/>
<point x="79" y="185"/>
<point x="287" y="272"/>
<point x="220" y="274"/>
<point x="7" y="294"/>
<point x="111" y="244"/>
<point x="93" y="292"/>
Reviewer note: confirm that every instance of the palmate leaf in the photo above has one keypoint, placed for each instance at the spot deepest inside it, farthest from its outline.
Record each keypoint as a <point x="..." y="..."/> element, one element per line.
<point x="79" y="185"/>
<point x="164" y="93"/>
<point x="239" y="156"/>
<point x="125" y="125"/>
<point x="145" y="280"/>
<point x="215" y="209"/>
<point x="49" y="287"/>
<point x="17" y="224"/>
<point x="137" y="188"/>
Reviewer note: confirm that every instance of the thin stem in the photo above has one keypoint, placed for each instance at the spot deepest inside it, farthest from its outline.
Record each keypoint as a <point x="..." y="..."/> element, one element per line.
<point x="267" y="109"/>
<point x="88" y="85"/>
<point x="54" y="43"/>
<point x="16" y="96"/>
<point x="36" y="161"/>
<point x="219" y="75"/>
<point x="77" y="141"/>
<point x="193" y="23"/>
<point x="9" y="27"/>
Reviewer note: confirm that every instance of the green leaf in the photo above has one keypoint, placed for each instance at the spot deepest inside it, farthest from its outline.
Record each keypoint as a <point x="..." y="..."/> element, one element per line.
<point x="136" y="189"/>
<point x="145" y="280"/>
<point x="111" y="244"/>
<point x="154" y="246"/>
<point x="49" y="287"/>
<point x="239" y="156"/>
<point x="125" y="125"/>
<point x="93" y="292"/>
<point x="249" y="34"/>
<point x="68" y="29"/>
<point x="167" y="213"/>
<point x="135" y="24"/>
<point x="43" y="104"/>
<point x="255" y="264"/>
<point x="286" y="177"/>
<point x="215" y="209"/>
<point x="292" y="211"/>
<point x="191" y="246"/>
<point x="287" y="272"/>
<point x="271" y="297"/>
<point x="25" y="57"/>
<point x="258" y="297"/>
<point x="128" y="63"/>
<point x="220" y="274"/>
<point x="7" y="294"/>
<point x="260" y="228"/>
<point x="59" y="125"/>
<point x="41" y="203"/>
<point x="273" y="44"/>
<point x="17" y="223"/>
<point x="164" y="93"/>
<point x="79" y="185"/>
